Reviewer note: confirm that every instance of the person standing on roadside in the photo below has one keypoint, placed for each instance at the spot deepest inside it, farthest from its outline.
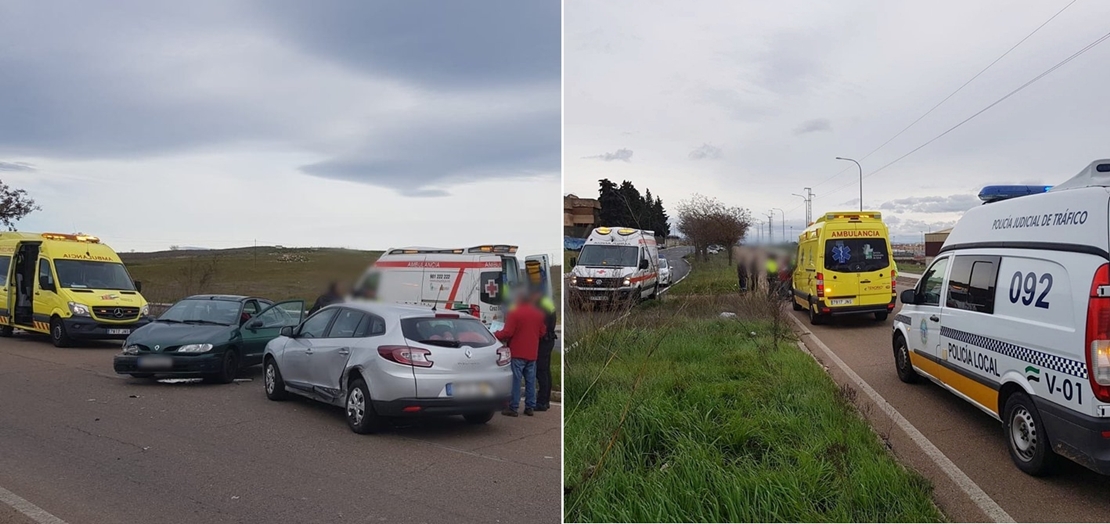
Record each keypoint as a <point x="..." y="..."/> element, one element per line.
<point x="742" y="275"/>
<point x="524" y="327"/>
<point x="331" y="296"/>
<point x="772" y="274"/>
<point x="543" y="362"/>
<point x="754" y="275"/>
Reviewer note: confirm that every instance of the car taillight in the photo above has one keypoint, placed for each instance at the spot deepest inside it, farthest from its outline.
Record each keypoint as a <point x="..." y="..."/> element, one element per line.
<point x="820" y="285"/>
<point x="405" y="355"/>
<point x="893" y="282"/>
<point x="1098" y="334"/>
<point x="476" y="311"/>
<point x="504" y="356"/>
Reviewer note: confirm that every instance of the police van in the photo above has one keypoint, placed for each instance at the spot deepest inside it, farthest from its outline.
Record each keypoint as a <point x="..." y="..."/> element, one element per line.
<point x="477" y="280"/>
<point x="1013" y="316"/>
<point x="843" y="266"/>
<point x="67" y="286"/>
<point x="616" y="264"/>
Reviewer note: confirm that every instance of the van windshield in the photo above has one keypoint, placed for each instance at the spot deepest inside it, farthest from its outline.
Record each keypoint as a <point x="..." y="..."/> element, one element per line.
<point x="856" y="255"/>
<point x="84" y="274"/>
<point x="600" y="255"/>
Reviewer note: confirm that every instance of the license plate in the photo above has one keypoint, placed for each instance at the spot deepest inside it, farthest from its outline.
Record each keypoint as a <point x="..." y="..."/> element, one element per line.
<point x="119" y="331"/>
<point x="469" y="390"/>
<point x="840" y="302"/>
<point x="155" y="362"/>
<point x="599" y="297"/>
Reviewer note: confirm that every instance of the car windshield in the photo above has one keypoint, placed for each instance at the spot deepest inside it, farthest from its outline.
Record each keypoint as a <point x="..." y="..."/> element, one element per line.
<point x="856" y="255"/>
<point x="599" y="255"/>
<point x="203" y="311"/>
<point x="663" y="263"/>
<point x="447" y="331"/>
<point x="84" y="274"/>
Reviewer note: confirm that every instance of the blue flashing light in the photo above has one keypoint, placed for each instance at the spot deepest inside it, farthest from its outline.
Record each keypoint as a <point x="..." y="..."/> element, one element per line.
<point x="997" y="193"/>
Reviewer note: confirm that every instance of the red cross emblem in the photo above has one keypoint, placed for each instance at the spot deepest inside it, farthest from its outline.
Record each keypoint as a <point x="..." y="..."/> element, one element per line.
<point x="491" y="288"/>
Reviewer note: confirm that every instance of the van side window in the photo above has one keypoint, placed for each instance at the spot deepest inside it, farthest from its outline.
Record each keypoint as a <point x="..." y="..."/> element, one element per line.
<point x="971" y="283"/>
<point x="5" y="263"/>
<point x="46" y="277"/>
<point x="931" y="284"/>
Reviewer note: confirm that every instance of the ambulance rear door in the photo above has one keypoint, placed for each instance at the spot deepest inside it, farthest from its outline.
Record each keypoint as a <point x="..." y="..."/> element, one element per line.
<point x="538" y="268"/>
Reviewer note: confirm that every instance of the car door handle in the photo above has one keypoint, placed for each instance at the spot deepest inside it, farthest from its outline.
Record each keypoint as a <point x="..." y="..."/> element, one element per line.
<point x="934" y="318"/>
<point x="308" y="352"/>
<point x="864" y="281"/>
<point x="344" y="351"/>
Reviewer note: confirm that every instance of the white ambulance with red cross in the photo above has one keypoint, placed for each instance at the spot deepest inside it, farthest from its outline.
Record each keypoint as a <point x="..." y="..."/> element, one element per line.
<point x="476" y="280"/>
<point x="616" y="264"/>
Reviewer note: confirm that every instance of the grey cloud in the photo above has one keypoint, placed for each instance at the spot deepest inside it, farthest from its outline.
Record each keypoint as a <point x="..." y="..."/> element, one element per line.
<point x="16" y="166"/>
<point x="932" y="204"/>
<point x="811" y="126"/>
<point x="624" y="155"/>
<point x="706" y="152"/>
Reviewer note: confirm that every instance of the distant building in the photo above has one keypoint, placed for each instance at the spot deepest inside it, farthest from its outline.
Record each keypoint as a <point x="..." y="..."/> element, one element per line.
<point x="580" y="215"/>
<point x="933" y="243"/>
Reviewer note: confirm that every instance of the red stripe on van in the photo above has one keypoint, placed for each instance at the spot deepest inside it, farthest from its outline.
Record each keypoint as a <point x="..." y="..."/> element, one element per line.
<point x="443" y="265"/>
<point x="455" y="286"/>
<point x="641" y="278"/>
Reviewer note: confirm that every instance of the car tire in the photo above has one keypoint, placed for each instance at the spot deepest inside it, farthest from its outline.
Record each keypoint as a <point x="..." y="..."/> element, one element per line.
<point x="273" y="383"/>
<point x="902" y="362"/>
<point x="58" y="333"/>
<point x="882" y="316"/>
<point x="479" y="418"/>
<point x="815" y="318"/>
<point x="1026" y="438"/>
<point x="228" y="370"/>
<point x="794" y="302"/>
<point x="361" y="417"/>
<point x="654" y="292"/>
<point x="6" y="331"/>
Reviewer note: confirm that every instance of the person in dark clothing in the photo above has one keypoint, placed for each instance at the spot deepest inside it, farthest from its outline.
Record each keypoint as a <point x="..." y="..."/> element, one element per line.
<point x="331" y="296"/>
<point x="543" y="363"/>
<point x="742" y="276"/>
<point x="754" y="274"/>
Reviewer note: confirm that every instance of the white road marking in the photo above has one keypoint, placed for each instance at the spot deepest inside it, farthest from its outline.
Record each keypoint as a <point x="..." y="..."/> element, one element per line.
<point x="968" y="486"/>
<point x="32" y="511"/>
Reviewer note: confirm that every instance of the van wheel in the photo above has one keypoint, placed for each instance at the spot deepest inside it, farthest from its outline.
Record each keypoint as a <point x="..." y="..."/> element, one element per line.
<point x="275" y="386"/>
<point x="881" y="316"/>
<point x="58" y="333"/>
<point x="6" y="331"/>
<point x="815" y="318"/>
<point x="361" y="417"/>
<point x="902" y="361"/>
<point x="654" y="292"/>
<point x="1026" y="437"/>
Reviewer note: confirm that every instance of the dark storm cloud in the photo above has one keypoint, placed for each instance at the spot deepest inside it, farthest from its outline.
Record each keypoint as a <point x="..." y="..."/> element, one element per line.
<point x="811" y="126"/>
<point x="624" y="155"/>
<point x="932" y="204"/>
<point x="706" y="152"/>
<point x="134" y="79"/>
<point x="16" y="166"/>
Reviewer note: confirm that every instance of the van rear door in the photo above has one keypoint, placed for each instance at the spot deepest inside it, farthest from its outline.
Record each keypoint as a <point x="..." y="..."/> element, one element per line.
<point x="539" y="272"/>
<point x="842" y="257"/>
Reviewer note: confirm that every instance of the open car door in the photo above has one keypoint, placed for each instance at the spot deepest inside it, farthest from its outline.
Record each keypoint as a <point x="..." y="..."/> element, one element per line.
<point x="260" y="329"/>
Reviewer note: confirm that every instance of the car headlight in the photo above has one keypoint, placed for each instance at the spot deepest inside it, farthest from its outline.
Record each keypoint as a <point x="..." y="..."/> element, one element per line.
<point x="627" y="281"/>
<point x="79" y="310"/>
<point x="194" y="348"/>
<point x="131" y="350"/>
<point x="573" y="280"/>
<point x="145" y="310"/>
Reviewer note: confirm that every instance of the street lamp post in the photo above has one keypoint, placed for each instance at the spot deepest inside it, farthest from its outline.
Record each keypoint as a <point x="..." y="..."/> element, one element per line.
<point x="860" y="180"/>
<point x="783" y="222"/>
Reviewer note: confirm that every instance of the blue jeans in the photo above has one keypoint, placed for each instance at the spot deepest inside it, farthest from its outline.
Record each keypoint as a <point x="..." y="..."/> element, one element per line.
<point x="526" y="370"/>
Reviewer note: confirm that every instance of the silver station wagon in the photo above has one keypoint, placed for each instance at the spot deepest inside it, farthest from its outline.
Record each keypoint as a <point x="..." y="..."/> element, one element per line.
<point x="383" y="361"/>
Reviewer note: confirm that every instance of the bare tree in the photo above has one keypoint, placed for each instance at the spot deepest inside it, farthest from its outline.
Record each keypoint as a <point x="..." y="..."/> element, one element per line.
<point x="196" y="276"/>
<point x="14" y="205"/>
<point x="706" y="220"/>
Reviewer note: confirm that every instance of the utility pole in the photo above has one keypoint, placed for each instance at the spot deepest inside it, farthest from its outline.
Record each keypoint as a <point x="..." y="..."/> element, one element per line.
<point x="771" y="227"/>
<point x="808" y="199"/>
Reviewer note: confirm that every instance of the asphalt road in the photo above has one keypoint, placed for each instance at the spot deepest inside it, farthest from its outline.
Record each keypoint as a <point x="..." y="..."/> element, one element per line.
<point x="679" y="267"/>
<point x="87" y="445"/>
<point x="968" y="437"/>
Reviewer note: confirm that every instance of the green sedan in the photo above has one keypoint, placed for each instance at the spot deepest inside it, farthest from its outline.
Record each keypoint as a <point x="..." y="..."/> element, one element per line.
<point x="209" y="336"/>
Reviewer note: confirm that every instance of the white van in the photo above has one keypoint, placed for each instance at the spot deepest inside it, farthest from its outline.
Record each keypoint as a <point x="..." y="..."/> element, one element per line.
<point x="616" y="264"/>
<point x="476" y="280"/>
<point x="1013" y="315"/>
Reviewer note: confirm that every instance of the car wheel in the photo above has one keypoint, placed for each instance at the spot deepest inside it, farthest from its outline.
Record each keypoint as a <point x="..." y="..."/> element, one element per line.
<point x="654" y="292"/>
<point x="360" y="413"/>
<point x="6" y="331"/>
<point x="815" y="318"/>
<point x="1026" y="437"/>
<point x="228" y="370"/>
<point x="142" y="375"/>
<point x="902" y="361"/>
<point x="478" y="418"/>
<point x="275" y="386"/>
<point x="882" y="316"/>
<point x="58" y="333"/>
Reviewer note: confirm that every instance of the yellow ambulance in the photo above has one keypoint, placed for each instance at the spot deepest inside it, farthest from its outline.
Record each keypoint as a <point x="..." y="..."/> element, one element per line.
<point x="67" y="286"/>
<point x="844" y="266"/>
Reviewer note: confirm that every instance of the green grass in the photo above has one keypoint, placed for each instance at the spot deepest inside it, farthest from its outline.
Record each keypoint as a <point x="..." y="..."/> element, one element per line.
<point x="714" y="276"/>
<point x="911" y="267"/>
<point x="719" y="424"/>
<point x="557" y="370"/>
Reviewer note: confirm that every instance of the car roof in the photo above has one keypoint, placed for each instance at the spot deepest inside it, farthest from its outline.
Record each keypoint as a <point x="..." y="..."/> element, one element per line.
<point x="234" y="298"/>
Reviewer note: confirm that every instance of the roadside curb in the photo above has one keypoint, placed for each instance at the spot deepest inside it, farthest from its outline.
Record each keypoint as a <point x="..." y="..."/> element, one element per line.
<point x="959" y="497"/>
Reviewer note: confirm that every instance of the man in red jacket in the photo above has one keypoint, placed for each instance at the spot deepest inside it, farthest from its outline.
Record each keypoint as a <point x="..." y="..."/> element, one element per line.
<point x="524" y="327"/>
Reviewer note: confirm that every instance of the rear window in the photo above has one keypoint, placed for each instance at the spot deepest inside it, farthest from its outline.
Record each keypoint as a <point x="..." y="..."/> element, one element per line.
<point x="447" y="332"/>
<point x="856" y="255"/>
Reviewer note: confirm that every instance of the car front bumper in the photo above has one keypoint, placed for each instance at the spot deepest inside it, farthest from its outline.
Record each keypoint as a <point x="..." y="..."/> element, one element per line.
<point x="433" y="407"/>
<point x="90" y="328"/>
<point x="181" y="365"/>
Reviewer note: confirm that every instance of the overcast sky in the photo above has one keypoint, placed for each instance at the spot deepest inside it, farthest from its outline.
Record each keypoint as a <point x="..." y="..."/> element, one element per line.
<point x="219" y="123"/>
<point x="752" y="101"/>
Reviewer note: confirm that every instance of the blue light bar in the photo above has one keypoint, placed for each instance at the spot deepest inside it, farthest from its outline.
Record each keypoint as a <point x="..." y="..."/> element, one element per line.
<point x="997" y="193"/>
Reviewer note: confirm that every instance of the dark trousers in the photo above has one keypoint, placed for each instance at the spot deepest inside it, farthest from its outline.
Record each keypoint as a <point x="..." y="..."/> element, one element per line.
<point x="543" y="373"/>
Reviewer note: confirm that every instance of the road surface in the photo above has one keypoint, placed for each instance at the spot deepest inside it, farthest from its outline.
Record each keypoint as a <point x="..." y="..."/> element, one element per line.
<point x="86" y="445"/>
<point x="679" y="267"/>
<point x="968" y="437"/>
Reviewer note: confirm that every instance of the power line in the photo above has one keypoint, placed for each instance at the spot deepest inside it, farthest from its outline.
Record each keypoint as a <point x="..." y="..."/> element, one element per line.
<point x="1048" y="71"/>
<point x="958" y="89"/>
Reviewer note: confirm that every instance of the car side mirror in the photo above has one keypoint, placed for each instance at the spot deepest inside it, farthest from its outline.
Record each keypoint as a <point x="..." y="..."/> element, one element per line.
<point x="643" y="263"/>
<point x="573" y="261"/>
<point x="908" y="296"/>
<point x="46" y="285"/>
<point x="254" y="324"/>
<point x="138" y="286"/>
<point x="287" y="331"/>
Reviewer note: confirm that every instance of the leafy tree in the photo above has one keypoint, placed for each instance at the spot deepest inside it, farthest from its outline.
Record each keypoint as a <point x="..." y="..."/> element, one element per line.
<point x="624" y="206"/>
<point x="706" y="221"/>
<point x="14" y="205"/>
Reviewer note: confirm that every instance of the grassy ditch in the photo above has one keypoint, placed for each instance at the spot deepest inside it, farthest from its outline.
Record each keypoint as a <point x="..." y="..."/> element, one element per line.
<point x="676" y="414"/>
